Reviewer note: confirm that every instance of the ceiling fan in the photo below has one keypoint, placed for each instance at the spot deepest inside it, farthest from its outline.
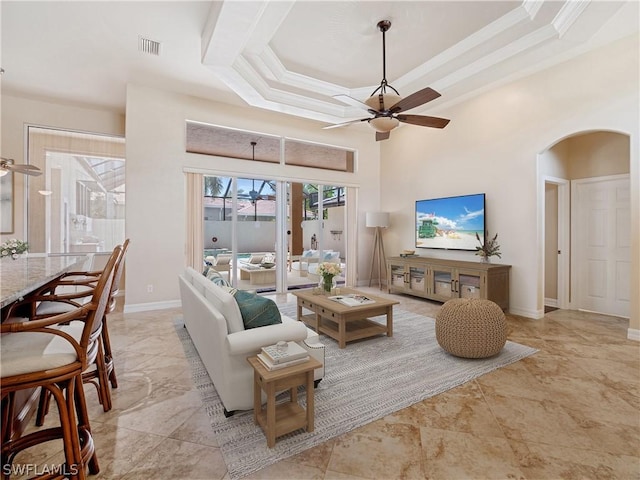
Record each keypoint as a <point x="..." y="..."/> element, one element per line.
<point x="7" y="165"/>
<point x="387" y="108"/>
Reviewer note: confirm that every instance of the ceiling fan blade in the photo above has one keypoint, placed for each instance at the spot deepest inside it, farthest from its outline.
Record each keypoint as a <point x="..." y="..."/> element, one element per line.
<point x="344" y="124"/>
<point x="382" y="136"/>
<point x="33" y="173"/>
<point x="423" y="121"/>
<point x="24" y="168"/>
<point x="352" y="101"/>
<point x="21" y="168"/>
<point x="415" y="99"/>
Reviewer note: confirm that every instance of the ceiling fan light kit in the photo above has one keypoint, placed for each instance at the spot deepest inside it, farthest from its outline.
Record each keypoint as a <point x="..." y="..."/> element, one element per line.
<point x="386" y="108"/>
<point x="384" y="124"/>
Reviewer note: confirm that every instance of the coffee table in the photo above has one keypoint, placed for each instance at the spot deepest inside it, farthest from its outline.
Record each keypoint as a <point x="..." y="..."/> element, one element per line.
<point x="258" y="275"/>
<point x="343" y="323"/>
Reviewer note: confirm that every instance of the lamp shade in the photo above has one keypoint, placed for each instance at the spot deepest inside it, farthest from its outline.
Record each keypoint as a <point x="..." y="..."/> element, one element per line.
<point x="383" y="124"/>
<point x="377" y="219"/>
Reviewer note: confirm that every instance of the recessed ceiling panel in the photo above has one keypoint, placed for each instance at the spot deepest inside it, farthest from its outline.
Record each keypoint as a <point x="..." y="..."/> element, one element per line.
<point x="338" y="42"/>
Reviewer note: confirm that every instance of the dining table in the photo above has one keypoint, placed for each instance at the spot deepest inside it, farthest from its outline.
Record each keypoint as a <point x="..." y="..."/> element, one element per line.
<point x="23" y="275"/>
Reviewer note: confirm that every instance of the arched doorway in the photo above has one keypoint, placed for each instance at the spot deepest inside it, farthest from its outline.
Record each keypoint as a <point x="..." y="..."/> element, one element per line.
<point x="586" y="239"/>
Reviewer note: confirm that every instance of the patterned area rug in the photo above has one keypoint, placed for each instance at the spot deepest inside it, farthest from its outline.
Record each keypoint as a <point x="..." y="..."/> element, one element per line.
<point x="362" y="383"/>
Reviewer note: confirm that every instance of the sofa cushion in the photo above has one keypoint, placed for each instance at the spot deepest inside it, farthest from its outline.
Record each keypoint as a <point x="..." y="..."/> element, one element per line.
<point x="213" y="275"/>
<point x="224" y="302"/>
<point x="199" y="282"/>
<point x="330" y="256"/>
<point x="256" y="310"/>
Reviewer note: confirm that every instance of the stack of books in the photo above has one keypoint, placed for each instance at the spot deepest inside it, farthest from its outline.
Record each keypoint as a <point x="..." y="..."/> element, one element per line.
<point x="352" y="300"/>
<point x="275" y="357"/>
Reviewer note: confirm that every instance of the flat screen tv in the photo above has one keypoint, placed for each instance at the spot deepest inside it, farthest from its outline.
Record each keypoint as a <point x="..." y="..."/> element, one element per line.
<point x="450" y="223"/>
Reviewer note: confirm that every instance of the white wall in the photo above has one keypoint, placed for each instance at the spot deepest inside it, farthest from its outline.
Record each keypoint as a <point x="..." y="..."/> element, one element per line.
<point x="598" y="154"/>
<point x="252" y="236"/>
<point x="491" y="146"/>
<point x="156" y="160"/>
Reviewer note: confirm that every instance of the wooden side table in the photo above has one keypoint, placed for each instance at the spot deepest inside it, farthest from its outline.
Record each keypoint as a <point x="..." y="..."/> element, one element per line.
<point x="285" y="417"/>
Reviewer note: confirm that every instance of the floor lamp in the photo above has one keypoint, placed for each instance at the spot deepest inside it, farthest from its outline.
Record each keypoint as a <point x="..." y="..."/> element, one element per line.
<point x="378" y="220"/>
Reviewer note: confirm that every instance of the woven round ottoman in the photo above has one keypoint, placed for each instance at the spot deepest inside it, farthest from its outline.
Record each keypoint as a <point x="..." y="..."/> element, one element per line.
<point x="471" y="328"/>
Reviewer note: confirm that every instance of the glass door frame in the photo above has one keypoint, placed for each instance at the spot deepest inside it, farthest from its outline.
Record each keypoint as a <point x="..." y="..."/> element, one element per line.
<point x="281" y="240"/>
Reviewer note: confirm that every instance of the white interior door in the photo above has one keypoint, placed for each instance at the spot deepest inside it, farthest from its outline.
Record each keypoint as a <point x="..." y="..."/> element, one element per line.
<point x="602" y="262"/>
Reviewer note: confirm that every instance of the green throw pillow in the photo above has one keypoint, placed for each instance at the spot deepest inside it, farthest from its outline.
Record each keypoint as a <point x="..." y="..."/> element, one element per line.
<point x="257" y="311"/>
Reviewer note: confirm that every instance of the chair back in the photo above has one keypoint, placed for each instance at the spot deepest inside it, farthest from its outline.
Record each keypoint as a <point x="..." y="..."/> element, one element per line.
<point x="98" y="305"/>
<point x="119" y="269"/>
<point x="223" y="259"/>
<point x="256" y="258"/>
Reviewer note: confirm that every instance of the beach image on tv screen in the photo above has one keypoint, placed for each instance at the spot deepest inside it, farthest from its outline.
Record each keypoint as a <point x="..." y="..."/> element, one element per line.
<point x="450" y="222"/>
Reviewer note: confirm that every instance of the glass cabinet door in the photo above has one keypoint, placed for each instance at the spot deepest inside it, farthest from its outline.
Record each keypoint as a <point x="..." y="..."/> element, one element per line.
<point x="417" y="281"/>
<point x="442" y="283"/>
<point x="469" y="283"/>
<point x="397" y="276"/>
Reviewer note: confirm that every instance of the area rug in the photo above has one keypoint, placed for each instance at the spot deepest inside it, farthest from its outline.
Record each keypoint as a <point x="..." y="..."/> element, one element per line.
<point x="362" y="383"/>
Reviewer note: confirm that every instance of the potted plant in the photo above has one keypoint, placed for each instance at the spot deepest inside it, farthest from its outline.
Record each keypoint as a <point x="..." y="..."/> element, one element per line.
<point x="489" y="248"/>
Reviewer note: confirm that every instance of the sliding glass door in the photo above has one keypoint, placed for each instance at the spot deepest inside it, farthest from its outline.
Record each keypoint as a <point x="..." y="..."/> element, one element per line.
<point x="249" y="228"/>
<point x="240" y="230"/>
<point x="317" y="229"/>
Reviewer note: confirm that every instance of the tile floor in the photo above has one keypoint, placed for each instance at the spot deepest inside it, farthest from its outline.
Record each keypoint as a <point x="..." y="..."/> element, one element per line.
<point x="571" y="411"/>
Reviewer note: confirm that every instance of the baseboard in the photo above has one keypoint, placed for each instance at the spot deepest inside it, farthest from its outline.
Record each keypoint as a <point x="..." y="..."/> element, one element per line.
<point x="551" y="302"/>
<point x="633" y="334"/>
<point x="145" y="307"/>
<point x="524" y="312"/>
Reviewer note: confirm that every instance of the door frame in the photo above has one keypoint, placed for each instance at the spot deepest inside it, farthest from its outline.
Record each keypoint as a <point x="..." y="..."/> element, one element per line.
<point x="350" y="224"/>
<point x="564" y="236"/>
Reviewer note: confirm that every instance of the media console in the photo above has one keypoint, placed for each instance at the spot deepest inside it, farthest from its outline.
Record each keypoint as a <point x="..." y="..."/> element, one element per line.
<point x="442" y="279"/>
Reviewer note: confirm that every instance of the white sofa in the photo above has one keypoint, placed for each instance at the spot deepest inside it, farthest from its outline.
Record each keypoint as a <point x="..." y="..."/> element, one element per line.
<point x="212" y="318"/>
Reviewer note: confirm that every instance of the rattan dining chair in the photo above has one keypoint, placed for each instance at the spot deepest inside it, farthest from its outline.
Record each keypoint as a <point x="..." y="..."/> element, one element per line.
<point x="115" y="290"/>
<point x="70" y="291"/>
<point x="51" y="353"/>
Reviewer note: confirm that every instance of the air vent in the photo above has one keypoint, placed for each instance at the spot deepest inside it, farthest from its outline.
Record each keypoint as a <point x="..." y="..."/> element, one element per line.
<point x="149" y="46"/>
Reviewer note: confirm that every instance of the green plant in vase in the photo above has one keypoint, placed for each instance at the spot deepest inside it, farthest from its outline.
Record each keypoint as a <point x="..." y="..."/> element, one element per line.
<point x="328" y="271"/>
<point x="489" y="249"/>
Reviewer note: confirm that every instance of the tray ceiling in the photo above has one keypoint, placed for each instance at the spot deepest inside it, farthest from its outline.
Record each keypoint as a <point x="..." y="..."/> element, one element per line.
<point x="293" y="56"/>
